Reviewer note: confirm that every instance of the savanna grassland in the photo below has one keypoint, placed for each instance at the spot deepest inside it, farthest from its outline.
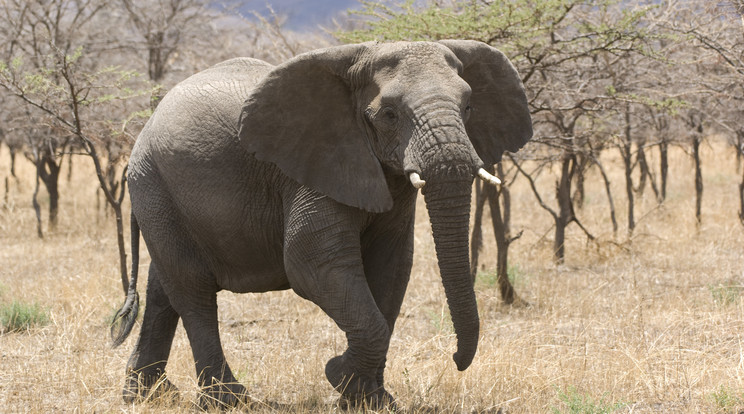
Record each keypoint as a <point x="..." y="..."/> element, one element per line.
<point x="643" y="324"/>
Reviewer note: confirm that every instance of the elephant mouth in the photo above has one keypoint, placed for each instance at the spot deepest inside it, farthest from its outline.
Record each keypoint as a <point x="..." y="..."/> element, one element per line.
<point x="418" y="183"/>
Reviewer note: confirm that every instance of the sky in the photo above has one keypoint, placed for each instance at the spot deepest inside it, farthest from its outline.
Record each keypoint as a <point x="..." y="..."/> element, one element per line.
<point x="301" y="14"/>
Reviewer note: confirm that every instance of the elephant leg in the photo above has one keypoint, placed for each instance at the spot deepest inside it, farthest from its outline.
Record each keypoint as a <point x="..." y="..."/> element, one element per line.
<point x="146" y="367"/>
<point x="220" y="389"/>
<point x="387" y="251"/>
<point x="323" y="262"/>
<point x="187" y="280"/>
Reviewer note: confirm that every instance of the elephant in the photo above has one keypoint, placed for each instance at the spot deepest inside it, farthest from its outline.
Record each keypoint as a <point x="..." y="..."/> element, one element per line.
<point x="253" y="178"/>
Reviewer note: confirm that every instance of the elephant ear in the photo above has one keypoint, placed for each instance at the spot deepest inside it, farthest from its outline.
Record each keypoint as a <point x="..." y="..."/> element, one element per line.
<point x="500" y="119"/>
<point x="302" y="118"/>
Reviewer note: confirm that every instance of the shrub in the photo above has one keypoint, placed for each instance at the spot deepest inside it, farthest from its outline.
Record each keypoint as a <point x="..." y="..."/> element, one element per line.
<point x="18" y="316"/>
<point x="577" y="403"/>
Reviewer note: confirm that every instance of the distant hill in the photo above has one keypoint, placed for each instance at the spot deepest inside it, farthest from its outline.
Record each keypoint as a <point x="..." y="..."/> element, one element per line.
<point x="301" y="14"/>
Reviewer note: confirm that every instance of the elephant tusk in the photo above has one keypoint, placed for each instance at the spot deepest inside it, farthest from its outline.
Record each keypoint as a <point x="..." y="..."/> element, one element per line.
<point x="487" y="177"/>
<point x="416" y="180"/>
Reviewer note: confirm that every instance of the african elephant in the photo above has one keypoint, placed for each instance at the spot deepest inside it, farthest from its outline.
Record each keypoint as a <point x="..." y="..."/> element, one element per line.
<point x="304" y="176"/>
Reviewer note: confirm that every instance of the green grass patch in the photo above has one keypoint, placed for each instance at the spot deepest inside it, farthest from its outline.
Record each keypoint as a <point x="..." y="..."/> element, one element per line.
<point x="726" y="293"/>
<point x="19" y="316"/>
<point x="726" y="399"/>
<point x="575" y="402"/>
<point x="442" y="321"/>
<point x="490" y="278"/>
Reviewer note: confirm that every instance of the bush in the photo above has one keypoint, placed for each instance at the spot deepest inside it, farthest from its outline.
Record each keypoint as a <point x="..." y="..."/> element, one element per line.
<point x="574" y="402"/>
<point x="19" y="316"/>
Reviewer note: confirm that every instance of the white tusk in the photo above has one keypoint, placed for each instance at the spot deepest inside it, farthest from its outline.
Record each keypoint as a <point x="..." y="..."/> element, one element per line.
<point x="416" y="180"/>
<point x="487" y="177"/>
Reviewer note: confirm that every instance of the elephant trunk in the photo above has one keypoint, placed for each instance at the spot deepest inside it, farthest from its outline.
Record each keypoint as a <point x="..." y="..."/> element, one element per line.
<point x="447" y="196"/>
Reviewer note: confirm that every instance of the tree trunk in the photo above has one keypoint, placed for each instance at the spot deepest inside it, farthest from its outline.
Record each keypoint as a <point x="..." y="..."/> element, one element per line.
<point x="69" y="168"/>
<point x="502" y="232"/>
<point x="647" y="176"/>
<point x="643" y="166"/>
<point x="565" y="212"/>
<point x="48" y="171"/>
<point x="741" y="200"/>
<point x="500" y="219"/>
<point x="6" y="203"/>
<point x="739" y="148"/>
<point x="580" y="193"/>
<point x="664" y="168"/>
<point x="609" y="195"/>
<point x="37" y="207"/>
<point x="627" y="160"/>
<point x="739" y="151"/>
<point x="12" y="162"/>
<point x="696" y="141"/>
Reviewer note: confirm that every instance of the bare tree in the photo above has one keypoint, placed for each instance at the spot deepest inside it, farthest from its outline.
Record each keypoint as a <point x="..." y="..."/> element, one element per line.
<point x="712" y="55"/>
<point x="45" y="148"/>
<point x="161" y="27"/>
<point x="46" y="67"/>
<point x="499" y="202"/>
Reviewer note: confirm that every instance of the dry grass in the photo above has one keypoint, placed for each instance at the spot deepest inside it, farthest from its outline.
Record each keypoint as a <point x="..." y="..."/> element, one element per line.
<point x="647" y="324"/>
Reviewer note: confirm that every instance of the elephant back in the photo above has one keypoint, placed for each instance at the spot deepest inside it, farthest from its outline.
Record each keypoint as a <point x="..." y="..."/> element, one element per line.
<point x="198" y="117"/>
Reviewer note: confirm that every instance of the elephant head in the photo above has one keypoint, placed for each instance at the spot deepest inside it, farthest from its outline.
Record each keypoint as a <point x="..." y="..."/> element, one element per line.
<point x="338" y="119"/>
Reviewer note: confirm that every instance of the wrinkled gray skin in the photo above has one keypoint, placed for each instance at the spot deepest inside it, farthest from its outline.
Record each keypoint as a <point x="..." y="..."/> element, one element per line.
<point x="255" y="178"/>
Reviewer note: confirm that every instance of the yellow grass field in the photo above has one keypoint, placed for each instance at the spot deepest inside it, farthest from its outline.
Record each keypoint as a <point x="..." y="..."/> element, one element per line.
<point x="648" y="324"/>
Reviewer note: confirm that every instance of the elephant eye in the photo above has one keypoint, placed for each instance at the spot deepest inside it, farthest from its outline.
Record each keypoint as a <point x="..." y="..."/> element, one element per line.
<point x="466" y="113"/>
<point x="389" y="114"/>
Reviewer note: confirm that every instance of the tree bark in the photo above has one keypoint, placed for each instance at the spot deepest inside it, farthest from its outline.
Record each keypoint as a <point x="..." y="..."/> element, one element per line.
<point x="608" y="191"/>
<point x="37" y="207"/>
<point x="741" y="200"/>
<point x="501" y="229"/>
<point x="739" y="147"/>
<point x="69" y="168"/>
<point x="48" y="170"/>
<point x="628" y="162"/>
<point x="739" y="151"/>
<point x="696" y="141"/>
<point x="664" y="168"/>
<point x="643" y="166"/>
<point x="12" y="162"/>
<point x="500" y="218"/>
<point x="6" y="203"/>
<point x="565" y="206"/>
<point x="580" y="193"/>
<point x="647" y="176"/>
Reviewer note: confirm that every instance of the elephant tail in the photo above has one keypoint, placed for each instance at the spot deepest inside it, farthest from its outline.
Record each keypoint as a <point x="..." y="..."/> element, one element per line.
<point x="125" y="317"/>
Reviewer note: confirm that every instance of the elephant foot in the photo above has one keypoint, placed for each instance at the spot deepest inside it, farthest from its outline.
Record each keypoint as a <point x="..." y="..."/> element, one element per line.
<point x="140" y="387"/>
<point x="223" y="396"/>
<point x="357" y="391"/>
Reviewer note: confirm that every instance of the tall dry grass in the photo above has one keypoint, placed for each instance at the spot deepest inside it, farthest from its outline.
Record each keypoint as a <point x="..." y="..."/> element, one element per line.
<point x="648" y="323"/>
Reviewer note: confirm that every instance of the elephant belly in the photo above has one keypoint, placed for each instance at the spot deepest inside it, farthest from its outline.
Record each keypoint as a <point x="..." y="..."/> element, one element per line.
<point x="239" y="224"/>
<point x="250" y="267"/>
<point x="254" y="280"/>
